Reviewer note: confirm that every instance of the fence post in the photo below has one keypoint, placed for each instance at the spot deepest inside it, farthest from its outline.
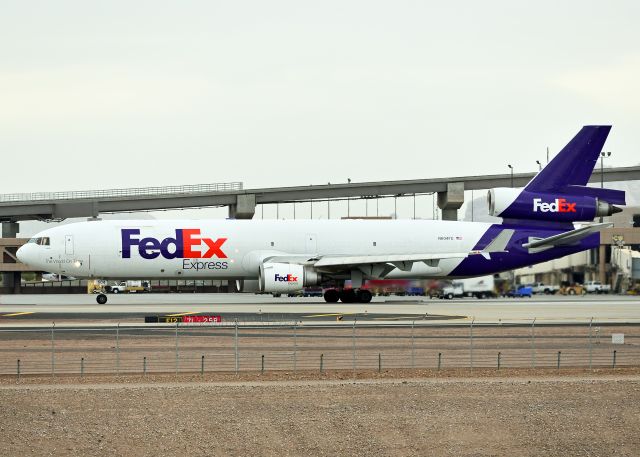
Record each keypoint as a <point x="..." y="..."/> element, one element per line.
<point x="262" y="366"/>
<point x="177" y="353"/>
<point x="18" y="370"/>
<point x="559" y="352"/>
<point x="53" y="350"/>
<point x="81" y="367"/>
<point x="471" y="342"/>
<point x="590" y="345"/>
<point x="353" y="346"/>
<point x="235" y="342"/>
<point x="499" y="354"/>
<point x="144" y="365"/>
<point x="413" y="345"/>
<point x="533" y="343"/>
<point x="379" y="362"/>
<point x="614" y="359"/>
<point x="202" y="365"/>
<point x="118" y="348"/>
<point x="439" y="360"/>
<point x="321" y="362"/>
<point x="295" y="346"/>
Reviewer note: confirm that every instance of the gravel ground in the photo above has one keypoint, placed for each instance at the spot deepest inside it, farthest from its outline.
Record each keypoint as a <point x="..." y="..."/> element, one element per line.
<point x="455" y="413"/>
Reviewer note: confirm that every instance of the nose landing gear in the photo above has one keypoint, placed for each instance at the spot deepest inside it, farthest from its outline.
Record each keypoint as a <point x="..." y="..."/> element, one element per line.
<point x="347" y="296"/>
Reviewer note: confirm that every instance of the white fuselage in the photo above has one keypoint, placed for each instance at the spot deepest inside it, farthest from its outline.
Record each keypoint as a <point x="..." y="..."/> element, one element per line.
<point x="236" y="248"/>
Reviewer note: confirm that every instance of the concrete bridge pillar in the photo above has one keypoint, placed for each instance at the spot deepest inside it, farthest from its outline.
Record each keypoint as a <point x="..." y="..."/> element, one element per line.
<point x="10" y="279"/>
<point x="451" y="200"/>
<point x="244" y="208"/>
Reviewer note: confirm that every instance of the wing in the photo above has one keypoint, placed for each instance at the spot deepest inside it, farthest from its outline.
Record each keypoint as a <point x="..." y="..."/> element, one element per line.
<point x="380" y="265"/>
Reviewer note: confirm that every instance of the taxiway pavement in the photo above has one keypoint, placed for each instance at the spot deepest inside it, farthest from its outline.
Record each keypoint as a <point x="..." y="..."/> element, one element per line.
<point x="255" y="308"/>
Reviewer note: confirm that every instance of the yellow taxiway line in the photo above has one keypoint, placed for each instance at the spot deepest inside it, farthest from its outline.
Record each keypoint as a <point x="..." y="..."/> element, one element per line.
<point x="19" y="314"/>
<point x="331" y="314"/>
<point x="181" y="314"/>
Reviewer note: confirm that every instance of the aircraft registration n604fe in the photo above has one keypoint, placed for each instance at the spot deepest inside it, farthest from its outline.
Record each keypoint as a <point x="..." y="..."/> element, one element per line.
<point x="286" y="256"/>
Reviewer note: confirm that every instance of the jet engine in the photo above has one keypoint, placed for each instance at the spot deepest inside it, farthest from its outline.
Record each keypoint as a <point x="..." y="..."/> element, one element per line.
<point x="286" y="277"/>
<point x="247" y="285"/>
<point x="522" y="204"/>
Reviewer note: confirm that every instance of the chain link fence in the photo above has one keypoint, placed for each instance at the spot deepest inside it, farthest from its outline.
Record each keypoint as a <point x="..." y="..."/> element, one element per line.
<point x="292" y="347"/>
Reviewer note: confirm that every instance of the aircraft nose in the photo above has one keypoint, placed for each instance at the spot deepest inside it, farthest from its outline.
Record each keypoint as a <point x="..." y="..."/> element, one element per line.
<point x="20" y="254"/>
<point x="23" y="254"/>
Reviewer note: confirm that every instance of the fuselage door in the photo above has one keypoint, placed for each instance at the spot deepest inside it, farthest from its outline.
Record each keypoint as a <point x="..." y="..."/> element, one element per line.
<point x="68" y="244"/>
<point x="311" y="243"/>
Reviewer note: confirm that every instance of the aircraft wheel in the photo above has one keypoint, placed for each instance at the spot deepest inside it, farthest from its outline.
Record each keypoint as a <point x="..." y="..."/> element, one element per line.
<point x="331" y="296"/>
<point x="347" y="296"/>
<point x="101" y="299"/>
<point x="364" y="296"/>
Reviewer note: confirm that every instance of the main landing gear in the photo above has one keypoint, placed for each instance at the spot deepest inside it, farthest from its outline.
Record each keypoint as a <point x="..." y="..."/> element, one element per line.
<point x="347" y="296"/>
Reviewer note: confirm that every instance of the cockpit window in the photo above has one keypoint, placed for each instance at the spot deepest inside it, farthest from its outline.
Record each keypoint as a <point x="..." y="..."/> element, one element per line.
<point x="41" y="241"/>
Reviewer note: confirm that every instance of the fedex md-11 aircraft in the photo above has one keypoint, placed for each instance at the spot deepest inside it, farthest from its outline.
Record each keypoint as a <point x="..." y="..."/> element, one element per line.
<point x="285" y="256"/>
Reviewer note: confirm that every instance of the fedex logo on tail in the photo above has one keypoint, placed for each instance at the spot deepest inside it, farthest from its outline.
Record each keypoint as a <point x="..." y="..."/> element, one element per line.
<point x="187" y="244"/>
<point x="287" y="278"/>
<point x="560" y="205"/>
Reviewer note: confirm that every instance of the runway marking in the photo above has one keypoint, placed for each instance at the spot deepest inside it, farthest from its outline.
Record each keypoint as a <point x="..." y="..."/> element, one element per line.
<point x="19" y="314"/>
<point x="331" y="314"/>
<point x="182" y="314"/>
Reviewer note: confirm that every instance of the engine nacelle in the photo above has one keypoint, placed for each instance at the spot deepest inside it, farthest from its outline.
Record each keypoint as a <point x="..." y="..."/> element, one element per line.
<point x="522" y="204"/>
<point x="249" y="286"/>
<point x="286" y="277"/>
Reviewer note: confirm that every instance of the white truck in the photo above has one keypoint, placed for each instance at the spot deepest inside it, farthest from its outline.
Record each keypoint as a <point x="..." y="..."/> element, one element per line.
<point x="122" y="287"/>
<point x="542" y="288"/>
<point x="596" y="287"/>
<point x="481" y="287"/>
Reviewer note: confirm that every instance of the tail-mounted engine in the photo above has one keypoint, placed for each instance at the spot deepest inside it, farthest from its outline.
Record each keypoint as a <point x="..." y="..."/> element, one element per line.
<point x="522" y="204"/>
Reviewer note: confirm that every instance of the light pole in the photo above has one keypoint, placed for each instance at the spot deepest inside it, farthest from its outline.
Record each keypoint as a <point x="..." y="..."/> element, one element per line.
<point x="603" y="154"/>
<point x="511" y="168"/>
<point x="539" y="165"/>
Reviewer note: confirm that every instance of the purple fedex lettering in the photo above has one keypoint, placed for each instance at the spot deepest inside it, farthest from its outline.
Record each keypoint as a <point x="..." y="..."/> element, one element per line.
<point x="151" y="248"/>
<point x="127" y="242"/>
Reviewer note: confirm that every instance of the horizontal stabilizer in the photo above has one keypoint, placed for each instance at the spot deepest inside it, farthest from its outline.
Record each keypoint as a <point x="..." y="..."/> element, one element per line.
<point x="566" y="238"/>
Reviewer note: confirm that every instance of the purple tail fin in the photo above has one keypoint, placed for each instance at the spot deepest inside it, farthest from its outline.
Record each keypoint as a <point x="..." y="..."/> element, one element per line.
<point x="570" y="170"/>
<point x="559" y="193"/>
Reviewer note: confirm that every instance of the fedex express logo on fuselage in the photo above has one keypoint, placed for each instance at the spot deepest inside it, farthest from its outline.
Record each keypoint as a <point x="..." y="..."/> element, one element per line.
<point x="287" y="278"/>
<point x="187" y="244"/>
<point x="560" y="205"/>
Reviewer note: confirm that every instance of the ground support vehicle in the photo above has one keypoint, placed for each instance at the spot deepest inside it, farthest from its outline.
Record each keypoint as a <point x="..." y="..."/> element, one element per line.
<point x="573" y="289"/>
<point x="523" y="291"/>
<point x="542" y="288"/>
<point x="596" y="287"/>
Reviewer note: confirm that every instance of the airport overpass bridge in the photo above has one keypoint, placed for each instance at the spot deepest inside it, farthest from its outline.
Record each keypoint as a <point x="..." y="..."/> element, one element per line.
<point x="242" y="202"/>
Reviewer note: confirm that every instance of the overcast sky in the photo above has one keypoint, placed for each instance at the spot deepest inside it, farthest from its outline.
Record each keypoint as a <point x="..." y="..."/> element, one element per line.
<point x="124" y="94"/>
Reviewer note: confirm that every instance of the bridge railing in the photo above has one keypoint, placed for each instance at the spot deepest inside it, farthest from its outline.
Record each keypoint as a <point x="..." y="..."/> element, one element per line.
<point x="129" y="192"/>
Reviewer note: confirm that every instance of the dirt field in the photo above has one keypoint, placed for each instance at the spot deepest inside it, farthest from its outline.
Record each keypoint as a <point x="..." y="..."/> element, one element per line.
<point x="524" y="413"/>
